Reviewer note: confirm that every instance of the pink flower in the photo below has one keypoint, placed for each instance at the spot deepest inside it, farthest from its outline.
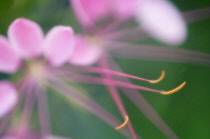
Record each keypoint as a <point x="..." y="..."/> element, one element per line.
<point x="22" y="52"/>
<point x="157" y="17"/>
<point x="41" y="62"/>
<point x="107" y="26"/>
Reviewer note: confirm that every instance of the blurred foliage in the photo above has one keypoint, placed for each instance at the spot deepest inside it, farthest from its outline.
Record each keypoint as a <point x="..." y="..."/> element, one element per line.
<point x="187" y="112"/>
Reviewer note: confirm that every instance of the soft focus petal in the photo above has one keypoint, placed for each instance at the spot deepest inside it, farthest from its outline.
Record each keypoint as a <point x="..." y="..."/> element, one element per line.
<point x="26" y="36"/>
<point x="58" y="45"/>
<point x="124" y="8"/>
<point x="88" y="11"/>
<point x="8" y="97"/>
<point x="162" y="20"/>
<point x="85" y="53"/>
<point x="9" y="60"/>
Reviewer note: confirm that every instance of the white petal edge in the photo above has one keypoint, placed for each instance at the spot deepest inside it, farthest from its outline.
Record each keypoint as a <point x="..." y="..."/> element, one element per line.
<point x="161" y="20"/>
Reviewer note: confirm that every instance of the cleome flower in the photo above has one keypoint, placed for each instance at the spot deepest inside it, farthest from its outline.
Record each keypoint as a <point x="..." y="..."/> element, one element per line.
<point x="25" y="41"/>
<point x="113" y="25"/>
<point x="151" y="15"/>
<point x="105" y="28"/>
<point x="83" y="63"/>
<point x="55" y="61"/>
<point x="28" y="52"/>
<point x="107" y="25"/>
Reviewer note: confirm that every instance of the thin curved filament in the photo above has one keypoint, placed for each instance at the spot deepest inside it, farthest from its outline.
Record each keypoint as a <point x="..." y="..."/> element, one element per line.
<point x="174" y="90"/>
<point x="159" y="79"/>
<point x="123" y="124"/>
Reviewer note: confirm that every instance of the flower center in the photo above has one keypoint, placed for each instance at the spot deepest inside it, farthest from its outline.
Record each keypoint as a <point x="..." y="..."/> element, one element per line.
<point x="37" y="70"/>
<point x="95" y="40"/>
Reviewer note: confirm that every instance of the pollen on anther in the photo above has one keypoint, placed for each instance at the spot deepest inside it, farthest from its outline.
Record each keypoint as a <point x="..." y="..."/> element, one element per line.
<point x="159" y="79"/>
<point x="124" y="123"/>
<point x="174" y="90"/>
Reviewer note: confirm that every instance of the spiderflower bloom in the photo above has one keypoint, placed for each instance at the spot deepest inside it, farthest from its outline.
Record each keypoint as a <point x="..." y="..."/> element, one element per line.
<point x="21" y="53"/>
<point x="152" y="15"/>
<point x="108" y="30"/>
<point x="31" y="58"/>
<point x="34" y="58"/>
<point x="40" y="62"/>
<point x="108" y="26"/>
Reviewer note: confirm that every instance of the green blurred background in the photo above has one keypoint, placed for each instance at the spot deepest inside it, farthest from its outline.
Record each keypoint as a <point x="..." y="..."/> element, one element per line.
<point x="187" y="112"/>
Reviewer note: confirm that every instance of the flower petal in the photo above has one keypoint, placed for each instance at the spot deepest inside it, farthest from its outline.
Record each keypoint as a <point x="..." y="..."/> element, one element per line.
<point x="8" y="97"/>
<point x="85" y="53"/>
<point x="162" y="20"/>
<point x="88" y="11"/>
<point x="26" y="36"/>
<point x="9" y="60"/>
<point x="124" y="8"/>
<point x="58" y="45"/>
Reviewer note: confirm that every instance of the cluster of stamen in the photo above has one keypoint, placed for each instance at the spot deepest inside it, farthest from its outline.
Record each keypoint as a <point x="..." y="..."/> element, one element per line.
<point x="112" y="82"/>
<point x="151" y="81"/>
<point x="123" y="84"/>
<point x="97" y="70"/>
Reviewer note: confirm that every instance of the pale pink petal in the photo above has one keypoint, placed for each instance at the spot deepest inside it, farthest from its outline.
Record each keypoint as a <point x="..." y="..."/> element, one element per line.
<point x="8" y="97"/>
<point x="161" y="20"/>
<point x="88" y="11"/>
<point x="26" y="36"/>
<point x="124" y="8"/>
<point x="9" y="60"/>
<point x="58" y="45"/>
<point x="85" y="53"/>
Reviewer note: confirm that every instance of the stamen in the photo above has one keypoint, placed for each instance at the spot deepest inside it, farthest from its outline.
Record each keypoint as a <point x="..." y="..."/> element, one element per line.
<point x="117" y="73"/>
<point x="72" y="94"/>
<point x="159" y="79"/>
<point x="174" y="90"/>
<point x="97" y="80"/>
<point x="123" y="124"/>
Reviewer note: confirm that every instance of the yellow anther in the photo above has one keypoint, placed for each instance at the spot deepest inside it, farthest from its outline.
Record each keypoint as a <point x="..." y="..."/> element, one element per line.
<point x="159" y="79"/>
<point x="174" y="90"/>
<point x="123" y="124"/>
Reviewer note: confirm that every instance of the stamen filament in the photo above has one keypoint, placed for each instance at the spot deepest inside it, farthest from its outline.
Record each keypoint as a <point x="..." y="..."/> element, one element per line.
<point x="72" y="94"/>
<point x="159" y="79"/>
<point x="123" y="124"/>
<point x="117" y="73"/>
<point x="97" y="80"/>
<point x="174" y="90"/>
